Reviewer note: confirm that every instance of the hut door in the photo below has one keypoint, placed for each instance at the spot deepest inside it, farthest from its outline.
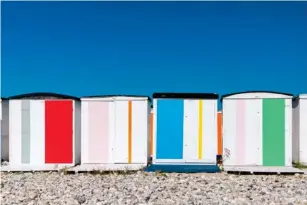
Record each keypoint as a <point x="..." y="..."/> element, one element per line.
<point x="59" y="131"/>
<point x="98" y="131"/>
<point x="248" y="131"/>
<point x="273" y="132"/>
<point x="121" y="151"/>
<point x="190" y="131"/>
<point x="169" y="130"/>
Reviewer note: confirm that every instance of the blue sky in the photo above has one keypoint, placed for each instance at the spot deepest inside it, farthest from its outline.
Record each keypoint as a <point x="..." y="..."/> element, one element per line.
<point x="90" y="48"/>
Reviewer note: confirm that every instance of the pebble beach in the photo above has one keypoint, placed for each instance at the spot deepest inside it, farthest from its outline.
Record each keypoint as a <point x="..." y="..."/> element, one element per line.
<point x="151" y="188"/>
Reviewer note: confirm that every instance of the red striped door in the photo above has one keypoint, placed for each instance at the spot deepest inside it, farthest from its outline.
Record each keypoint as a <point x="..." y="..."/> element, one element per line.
<point x="58" y="131"/>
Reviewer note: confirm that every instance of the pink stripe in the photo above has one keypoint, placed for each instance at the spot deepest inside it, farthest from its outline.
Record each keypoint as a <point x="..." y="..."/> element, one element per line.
<point x="240" y="138"/>
<point x="98" y="132"/>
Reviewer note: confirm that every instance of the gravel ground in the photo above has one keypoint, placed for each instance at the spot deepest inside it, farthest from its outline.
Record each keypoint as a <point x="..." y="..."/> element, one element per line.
<point x="151" y="188"/>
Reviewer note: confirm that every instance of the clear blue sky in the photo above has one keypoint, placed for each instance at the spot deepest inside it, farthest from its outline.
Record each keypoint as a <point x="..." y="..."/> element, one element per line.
<point x="90" y="48"/>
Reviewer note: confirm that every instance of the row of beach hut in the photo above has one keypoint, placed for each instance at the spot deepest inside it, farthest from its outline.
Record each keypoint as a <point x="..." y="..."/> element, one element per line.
<point x="46" y="131"/>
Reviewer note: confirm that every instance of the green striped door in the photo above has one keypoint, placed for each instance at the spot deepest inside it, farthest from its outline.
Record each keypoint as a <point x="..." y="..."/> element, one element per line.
<point x="273" y="132"/>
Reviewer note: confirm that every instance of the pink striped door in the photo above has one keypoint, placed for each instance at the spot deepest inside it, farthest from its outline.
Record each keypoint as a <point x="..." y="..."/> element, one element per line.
<point x="98" y="136"/>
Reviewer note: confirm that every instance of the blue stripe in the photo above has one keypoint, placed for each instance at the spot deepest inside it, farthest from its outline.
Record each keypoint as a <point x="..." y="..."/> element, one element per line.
<point x="169" y="129"/>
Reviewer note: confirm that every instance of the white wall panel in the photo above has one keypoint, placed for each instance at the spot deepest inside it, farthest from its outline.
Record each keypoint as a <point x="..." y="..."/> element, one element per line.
<point x="139" y="131"/>
<point x="112" y="131"/>
<point x="303" y="130"/>
<point x="121" y="133"/>
<point x="15" y="132"/>
<point x="154" y="131"/>
<point x="229" y="132"/>
<point x="37" y="128"/>
<point x="190" y="130"/>
<point x="84" y="130"/>
<point x="253" y="135"/>
<point x="288" y="132"/>
<point x="209" y="133"/>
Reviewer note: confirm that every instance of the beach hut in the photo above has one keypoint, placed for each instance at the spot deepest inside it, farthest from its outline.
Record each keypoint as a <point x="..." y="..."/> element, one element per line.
<point x="300" y="129"/>
<point x="185" y="128"/>
<point x="257" y="129"/>
<point x="115" y="132"/>
<point x="4" y="129"/>
<point x="45" y="131"/>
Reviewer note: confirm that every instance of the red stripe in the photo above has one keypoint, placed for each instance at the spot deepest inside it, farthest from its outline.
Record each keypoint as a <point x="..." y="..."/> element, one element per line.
<point x="58" y="131"/>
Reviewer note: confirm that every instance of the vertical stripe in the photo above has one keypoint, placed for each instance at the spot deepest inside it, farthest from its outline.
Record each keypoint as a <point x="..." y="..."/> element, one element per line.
<point x="5" y="130"/>
<point x="25" y="129"/>
<point x="273" y="132"/>
<point x="129" y="131"/>
<point x="219" y="134"/>
<point x="59" y="131"/>
<point x="151" y="134"/>
<point x="200" y="128"/>
<point x="169" y="129"/>
<point x="98" y="132"/>
<point x="37" y="151"/>
<point x="240" y="138"/>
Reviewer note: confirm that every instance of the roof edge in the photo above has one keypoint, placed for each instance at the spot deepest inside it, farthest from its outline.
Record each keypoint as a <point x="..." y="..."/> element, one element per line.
<point x="255" y="91"/>
<point x="214" y="96"/>
<point x="302" y="96"/>
<point x="109" y="96"/>
<point x="47" y="94"/>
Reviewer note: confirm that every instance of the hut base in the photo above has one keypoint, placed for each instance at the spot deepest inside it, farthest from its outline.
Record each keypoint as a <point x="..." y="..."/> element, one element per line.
<point x="32" y="168"/>
<point x="107" y="167"/>
<point x="183" y="168"/>
<point x="262" y="170"/>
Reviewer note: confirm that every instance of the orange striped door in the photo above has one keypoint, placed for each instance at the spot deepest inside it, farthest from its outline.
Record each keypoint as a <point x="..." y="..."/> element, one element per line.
<point x="219" y="133"/>
<point x="151" y="134"/>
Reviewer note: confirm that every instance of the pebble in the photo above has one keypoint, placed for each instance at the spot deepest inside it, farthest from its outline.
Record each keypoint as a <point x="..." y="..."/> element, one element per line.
<point x="151" y="188"/>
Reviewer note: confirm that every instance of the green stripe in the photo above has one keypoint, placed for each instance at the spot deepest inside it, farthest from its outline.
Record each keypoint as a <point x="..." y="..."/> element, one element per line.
<point x="273" y="131"/>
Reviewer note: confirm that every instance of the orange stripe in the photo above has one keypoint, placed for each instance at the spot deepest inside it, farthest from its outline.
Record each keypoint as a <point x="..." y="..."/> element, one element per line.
<point x="151" y="134"/>
<point x="219" y="133"/>
<point x="129" y="131"/>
